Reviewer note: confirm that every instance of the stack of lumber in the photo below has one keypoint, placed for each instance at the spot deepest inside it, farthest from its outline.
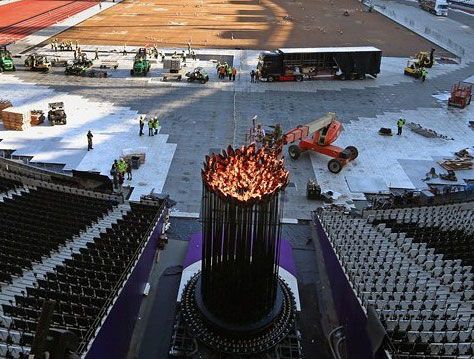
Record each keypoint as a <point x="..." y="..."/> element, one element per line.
<point x="14" y="120"/>
<point x="36" y="117"/>
<point x="3" y="105"/>
<point x="456" y="164"/>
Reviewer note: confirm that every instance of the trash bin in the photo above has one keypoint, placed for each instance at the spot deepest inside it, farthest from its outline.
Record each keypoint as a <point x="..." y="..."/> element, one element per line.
<point x="135" y="162"/>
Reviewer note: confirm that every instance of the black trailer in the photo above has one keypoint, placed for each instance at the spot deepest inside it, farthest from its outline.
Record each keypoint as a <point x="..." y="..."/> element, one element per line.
<point x="296" y="64"/>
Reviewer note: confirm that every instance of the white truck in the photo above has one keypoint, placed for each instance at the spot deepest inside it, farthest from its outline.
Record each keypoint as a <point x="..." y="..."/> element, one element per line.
<point x="437" y="7"/>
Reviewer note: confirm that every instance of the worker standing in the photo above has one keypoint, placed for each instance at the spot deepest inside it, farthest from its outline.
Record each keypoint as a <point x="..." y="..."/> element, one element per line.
<point x="114" y="174"/>
<point x="129" y="170"/>
<point x="234" y="72"/>
<point x="122" y="167"/>
<point x="96" y="54"/>
<point x="222" y="72"/>
<point x="156" y="124"/>
<point x="89" y="140"/>
<point x="424" y="73"/>
<point x="400" y="123"/>
<point x="142" y="124"/>
<point x="252" y="76"/>
<point x="257" y="76"/>
<point x="150" y="127"/>
<point x="229" y="73"/>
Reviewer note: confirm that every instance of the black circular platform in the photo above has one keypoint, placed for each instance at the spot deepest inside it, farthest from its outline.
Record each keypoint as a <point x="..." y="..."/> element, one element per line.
<point x="243" y="339"/>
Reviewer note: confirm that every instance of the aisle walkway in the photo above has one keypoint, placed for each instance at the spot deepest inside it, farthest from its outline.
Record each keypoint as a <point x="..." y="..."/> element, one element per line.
<point x="450" y="34"/>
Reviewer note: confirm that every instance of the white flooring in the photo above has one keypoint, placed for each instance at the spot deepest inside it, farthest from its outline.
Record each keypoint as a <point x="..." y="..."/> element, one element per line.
<point x="381" y="158"/>
<point x="114" y="128"/>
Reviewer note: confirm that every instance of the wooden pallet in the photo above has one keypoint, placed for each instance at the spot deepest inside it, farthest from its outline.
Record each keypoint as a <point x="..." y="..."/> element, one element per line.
<point x="13" y="120"/>
<point x="456" y="164"/>
<point x="3" y="105"/>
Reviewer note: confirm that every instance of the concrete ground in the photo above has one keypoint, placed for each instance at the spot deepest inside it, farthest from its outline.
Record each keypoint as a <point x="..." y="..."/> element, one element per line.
<point x="196" y="119"/>
<point x="255" y="24"/>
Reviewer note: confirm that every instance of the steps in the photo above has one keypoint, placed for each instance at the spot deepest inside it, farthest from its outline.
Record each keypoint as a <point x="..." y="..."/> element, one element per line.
<point x="19" y="284"/>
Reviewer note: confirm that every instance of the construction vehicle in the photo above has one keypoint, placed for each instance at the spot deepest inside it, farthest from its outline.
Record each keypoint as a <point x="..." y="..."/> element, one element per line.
<point x="318" y="136"/>
<point x="198" y="74"/>
<point x="141" y="64"/>
<point x="415" y="64"/>
<point x="297" y="64"/>
<point x="6" y="61"/>
<point x="461" y="95"/>
<point x="82" y="60"/>
<point x="75" y="69"/>
<point x="56" y="114"/>
<point x="436" y="7"/>
<point x="412" y="69"/>
<point x="35" y="62"/>
<point x="425" y="59"/>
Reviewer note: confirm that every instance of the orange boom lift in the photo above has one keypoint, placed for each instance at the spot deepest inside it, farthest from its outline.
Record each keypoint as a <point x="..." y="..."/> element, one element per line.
<point x="318" y="136"/>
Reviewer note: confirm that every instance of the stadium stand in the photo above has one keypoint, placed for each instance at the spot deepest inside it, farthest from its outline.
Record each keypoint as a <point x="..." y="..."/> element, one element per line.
<point x="7" y="184"/>
<point x="43" y="219"/>
<point x="414" y="266"/>
<point x="71" y="246"/>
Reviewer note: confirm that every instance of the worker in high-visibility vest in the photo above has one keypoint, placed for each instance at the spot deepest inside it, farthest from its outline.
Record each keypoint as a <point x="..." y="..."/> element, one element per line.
<point x="424" y="73"/>
<point x="150" y="127"/>
<point x="400" y="123"/>
<point x="156" y="124"/>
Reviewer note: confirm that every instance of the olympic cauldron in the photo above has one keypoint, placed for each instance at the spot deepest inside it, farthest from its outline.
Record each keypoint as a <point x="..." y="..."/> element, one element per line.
<point x="238" y="304"/>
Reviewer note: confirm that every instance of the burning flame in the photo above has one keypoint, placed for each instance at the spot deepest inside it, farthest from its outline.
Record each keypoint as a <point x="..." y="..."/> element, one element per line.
<point x="245" y="174"/>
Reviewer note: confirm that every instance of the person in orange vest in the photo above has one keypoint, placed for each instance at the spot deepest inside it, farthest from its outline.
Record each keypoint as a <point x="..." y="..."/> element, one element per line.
<point x="234" y="72"/>
<point x="222" y="72"/>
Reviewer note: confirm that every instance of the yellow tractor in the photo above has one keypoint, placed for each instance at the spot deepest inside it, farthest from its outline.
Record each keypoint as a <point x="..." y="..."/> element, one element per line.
<point x="425" y="58"/>
<point x="422" y="59"/>
<point x="412" y="69"/>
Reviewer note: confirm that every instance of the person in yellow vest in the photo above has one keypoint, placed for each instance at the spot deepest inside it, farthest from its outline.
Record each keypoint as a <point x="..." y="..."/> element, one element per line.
<point x="150" y="127"/>
<point x="156" y="124"/>
<point x="400" y="123"/>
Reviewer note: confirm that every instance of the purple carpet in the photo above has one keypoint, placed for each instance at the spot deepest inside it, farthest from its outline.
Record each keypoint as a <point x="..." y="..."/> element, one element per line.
<point x="194" y="253"/>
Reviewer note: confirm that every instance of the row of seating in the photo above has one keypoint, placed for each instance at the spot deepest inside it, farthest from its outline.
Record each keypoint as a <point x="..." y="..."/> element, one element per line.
<point x="43" y="220"/>
<point x="415" y="276"/>
<point x="85" y="285"/>
<point x="8" y="184"/>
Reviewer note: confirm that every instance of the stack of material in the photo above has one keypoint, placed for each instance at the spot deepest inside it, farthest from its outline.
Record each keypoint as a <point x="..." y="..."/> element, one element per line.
<point x="140" y="152"/>
<point x="3" y="105"/>
<point x="456" y="164"/>
<point x="426" y="132"/>
<point x="13" y="120"/>
<point x="36" y="117"/>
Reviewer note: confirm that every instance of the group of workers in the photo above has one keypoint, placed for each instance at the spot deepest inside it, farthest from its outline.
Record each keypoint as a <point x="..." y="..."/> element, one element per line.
<point x="254" y="76"/>
<point x="118" y="171"/>
<point x="261" y="138"/>
<point x="225" y="70"/>
<point x="63" y="45"/>
<point x="153" y="125"/>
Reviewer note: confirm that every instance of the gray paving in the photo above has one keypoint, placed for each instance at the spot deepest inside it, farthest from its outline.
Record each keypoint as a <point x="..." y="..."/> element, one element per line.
<point x="199" y="119"/>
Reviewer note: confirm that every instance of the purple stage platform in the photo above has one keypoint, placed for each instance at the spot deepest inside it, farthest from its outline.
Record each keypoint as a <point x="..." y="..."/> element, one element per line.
<point x="192" y="265"/>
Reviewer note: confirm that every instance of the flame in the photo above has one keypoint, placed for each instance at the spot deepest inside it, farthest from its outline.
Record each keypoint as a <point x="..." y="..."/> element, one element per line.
<point x="245" y="174"/>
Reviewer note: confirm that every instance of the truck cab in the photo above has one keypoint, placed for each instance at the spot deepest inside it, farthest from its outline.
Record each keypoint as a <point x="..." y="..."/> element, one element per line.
<point x="437" y="7"/>
<point x="441" y="8"/>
